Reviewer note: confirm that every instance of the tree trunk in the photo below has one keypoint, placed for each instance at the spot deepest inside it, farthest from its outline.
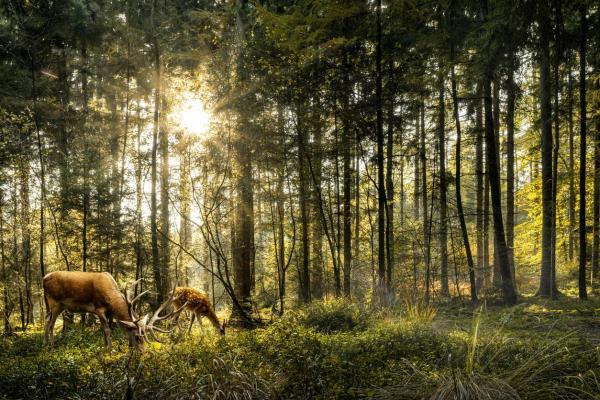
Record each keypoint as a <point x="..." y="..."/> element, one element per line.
<point x="185" y="224"/>
<point x="156" y="262"/>
<point x="459" y="204"/>
<point x="572" y="196"/>
<point x="546" y="279"/>
<point x="479" y="176"/>
<point x="139" y="230"/>
<point x="582" y="155"/>
<point x="556" y="142"/>
<point x="24" y="171"/>
<point x="7" y="304"/>
<point x="510" y="165"/>
<point x="40" y="149"/>
<point x="380" y="171"/>
<point x="164" y="201"/>
<point x="497" y="275"/>
<point x="243" y="242"/>
<point x="86" y="161"/>
<point x="348" y="181"/>
<point x="317" y="223"/>
<point x="510" y="296"/>
<point x="389" y="227"/>
<point x="426" y="241"/>
<point x="443" y="233"/>
<point x="303" y="271"/>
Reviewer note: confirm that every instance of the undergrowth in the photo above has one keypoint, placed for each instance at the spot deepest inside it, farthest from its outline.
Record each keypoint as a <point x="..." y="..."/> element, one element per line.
<point x="326" y="351"/>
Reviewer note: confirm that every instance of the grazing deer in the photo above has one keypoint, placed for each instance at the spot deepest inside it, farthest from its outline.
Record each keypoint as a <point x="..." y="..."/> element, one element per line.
<point x="97" y="293"/>
<point x="200" y="306"/>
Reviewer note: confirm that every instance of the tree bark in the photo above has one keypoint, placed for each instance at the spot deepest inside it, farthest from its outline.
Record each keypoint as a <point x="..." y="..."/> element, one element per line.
<point x="510" y="165"/>
<point x="303" y="268"/>
<point x="479" y="176"/>
<point x="348" y="180"/>
<point x="496" y="274"/>
<point x="380" y="170"/>
<point x="243" y="241"/>
<point x="389" y="227"/>
<point x="572" y="196"/>
<point x="546" y="278"/>
<point x="426" y="241"/>
<point x="459" y="204"/>
<point x="582" y="155"/>
<point x="317" y="224"/>
<point x="510" y="296"/>
<point x="156" y="262"/>
<point x="443" y="233"/>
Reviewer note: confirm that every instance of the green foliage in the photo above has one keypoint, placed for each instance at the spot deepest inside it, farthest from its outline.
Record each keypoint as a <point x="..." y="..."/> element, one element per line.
<point x="523" y="353"/>
<point x="334" y="316"/>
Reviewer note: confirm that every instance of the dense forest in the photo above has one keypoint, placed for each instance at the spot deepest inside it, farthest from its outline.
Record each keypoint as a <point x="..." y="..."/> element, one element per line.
<point x="313" y="166"/>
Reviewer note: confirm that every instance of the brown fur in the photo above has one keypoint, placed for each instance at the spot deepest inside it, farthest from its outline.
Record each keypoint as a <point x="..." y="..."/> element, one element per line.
<point x="199" y="304"/>
<point x="93" y="292"/>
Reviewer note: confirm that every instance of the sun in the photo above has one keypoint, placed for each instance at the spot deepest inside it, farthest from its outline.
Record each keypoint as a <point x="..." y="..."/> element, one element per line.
<point x="192" y="116"/>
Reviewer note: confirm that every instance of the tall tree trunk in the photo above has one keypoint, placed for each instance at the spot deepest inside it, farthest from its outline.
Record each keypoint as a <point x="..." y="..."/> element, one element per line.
<point x="443" y="233"/>
<point x="243" y="244"/>
<point x="317" y="223"/>
<point x="510" y="296"/>
<point x="337" y="265"/>
<point x="303" y="189"/>
<point x="487" y="272"/>
<point x="596" y="207"/>
<point x="426" y="241"/>
<point x="595" y="272"/>
<point x="417" y="172"/>
<point x="546" y="278"/>
<point x="497" y="275"/>
<point x="556" y="142"/>
<point x="572" y="196"/>
<point x="7" y="304"/>
<point x="389" y="227"/>
<point x="582" y="154"/>
<point x="185" y="224"/>
<point x="459" y="204"/>
<point x="380" y="171"/>
<point x="479" y="176"/>
<point x="24" y="171"/>
<point x="156" y="265"/>
<point x="348" y="180"/>
<point x="86" y="161"/>
<point x="510" y="165"/>
<point x="40" y="150"/>
<point x="139" y="230"/>
<point x="164" y="200"/>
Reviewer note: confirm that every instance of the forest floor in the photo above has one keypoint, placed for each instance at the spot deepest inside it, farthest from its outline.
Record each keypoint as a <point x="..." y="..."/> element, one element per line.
<point x="538" y="349"/>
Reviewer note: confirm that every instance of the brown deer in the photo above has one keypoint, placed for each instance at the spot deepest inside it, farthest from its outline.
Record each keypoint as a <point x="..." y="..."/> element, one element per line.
<point x="98" y="293"/>
<point x="199" y="305"/>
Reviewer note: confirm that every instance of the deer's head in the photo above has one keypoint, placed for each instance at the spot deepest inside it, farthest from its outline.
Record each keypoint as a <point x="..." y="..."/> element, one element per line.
<point x="143" y="330"/>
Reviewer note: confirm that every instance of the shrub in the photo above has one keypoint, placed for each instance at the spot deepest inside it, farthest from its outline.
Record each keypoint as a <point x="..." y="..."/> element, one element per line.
<point x="334" y="316"/>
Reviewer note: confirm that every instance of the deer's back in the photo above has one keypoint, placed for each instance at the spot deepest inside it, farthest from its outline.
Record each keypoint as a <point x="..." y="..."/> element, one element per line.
<point x="195" y="299"/>
<point x="81" y="291"/>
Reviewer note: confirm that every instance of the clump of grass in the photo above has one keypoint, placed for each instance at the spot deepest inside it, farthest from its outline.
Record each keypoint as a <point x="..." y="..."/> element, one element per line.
<point x="497" y="369"/>
<point x="334" y="316"/>
<point x="419" y="311"/>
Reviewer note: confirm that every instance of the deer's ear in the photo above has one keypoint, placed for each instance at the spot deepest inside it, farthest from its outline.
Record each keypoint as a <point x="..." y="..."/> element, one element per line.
<point x="128" y="324"/>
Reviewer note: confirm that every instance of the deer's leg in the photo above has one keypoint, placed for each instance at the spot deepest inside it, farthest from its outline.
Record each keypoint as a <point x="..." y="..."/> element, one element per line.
<point x="199" y="316"/>
<point x="191" y="322"/>
<point x="175" y="320"/>
<point x="54" y="311"/>
<point x="105" y="328"/>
